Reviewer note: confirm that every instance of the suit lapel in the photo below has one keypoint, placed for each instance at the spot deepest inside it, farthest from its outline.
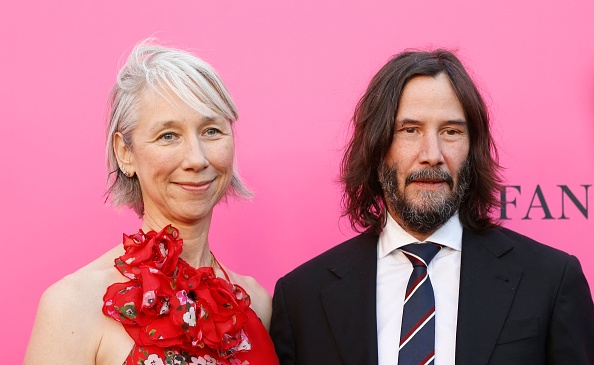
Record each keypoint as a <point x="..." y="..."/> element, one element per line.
<point x="487" y="288"/>
<point x="349" y="303"/>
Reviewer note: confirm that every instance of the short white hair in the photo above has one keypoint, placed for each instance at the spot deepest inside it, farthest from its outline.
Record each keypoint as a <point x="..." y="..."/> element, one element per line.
<point x="155" y="67"/>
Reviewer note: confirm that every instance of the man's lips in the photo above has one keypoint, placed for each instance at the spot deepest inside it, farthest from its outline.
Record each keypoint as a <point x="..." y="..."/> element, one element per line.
<point x="430" y="178"/>
<point x="429" y="183"/>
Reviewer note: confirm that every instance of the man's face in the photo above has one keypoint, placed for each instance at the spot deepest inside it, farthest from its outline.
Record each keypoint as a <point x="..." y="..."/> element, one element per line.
<point x="425" y="174"/>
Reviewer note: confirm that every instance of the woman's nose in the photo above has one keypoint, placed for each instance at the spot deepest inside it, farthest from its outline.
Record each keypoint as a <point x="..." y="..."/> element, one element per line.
<point x="195" y="155"/>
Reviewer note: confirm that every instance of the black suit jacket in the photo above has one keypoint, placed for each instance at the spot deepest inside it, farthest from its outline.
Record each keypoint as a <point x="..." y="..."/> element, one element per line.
<point x="520" y="302"/>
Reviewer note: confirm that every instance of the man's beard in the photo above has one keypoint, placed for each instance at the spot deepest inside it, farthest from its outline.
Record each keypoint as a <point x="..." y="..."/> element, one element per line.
<point x="431" y="209"/>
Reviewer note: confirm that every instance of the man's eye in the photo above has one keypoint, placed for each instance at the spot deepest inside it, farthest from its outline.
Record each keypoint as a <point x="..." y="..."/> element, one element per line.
<point x="410" y="130"/>
<point x="452" y="132"/>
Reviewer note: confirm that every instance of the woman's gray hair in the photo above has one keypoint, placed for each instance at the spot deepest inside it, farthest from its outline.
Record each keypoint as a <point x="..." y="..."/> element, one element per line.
<point x="159" y="68"/>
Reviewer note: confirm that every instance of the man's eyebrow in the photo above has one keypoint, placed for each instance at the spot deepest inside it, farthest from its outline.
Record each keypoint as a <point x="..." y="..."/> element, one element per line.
<point x="406" y="121"/>
<point x="457" y="121"/>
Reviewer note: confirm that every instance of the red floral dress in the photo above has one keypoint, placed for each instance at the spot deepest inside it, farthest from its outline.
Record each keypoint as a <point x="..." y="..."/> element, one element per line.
<point x="180" y="315"/>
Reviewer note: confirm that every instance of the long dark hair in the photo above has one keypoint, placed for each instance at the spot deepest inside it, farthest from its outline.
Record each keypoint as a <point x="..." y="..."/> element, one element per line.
<point x="374" y="121"/>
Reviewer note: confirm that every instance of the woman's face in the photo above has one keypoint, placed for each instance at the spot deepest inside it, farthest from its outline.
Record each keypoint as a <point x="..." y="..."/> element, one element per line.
<point x="183" y="160"/>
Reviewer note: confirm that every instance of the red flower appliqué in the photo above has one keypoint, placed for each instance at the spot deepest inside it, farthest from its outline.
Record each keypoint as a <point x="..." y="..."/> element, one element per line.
<point x="168" y="303"/>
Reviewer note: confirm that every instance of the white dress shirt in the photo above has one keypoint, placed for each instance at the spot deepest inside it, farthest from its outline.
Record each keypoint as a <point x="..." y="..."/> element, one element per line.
<point x="393" y="272"/>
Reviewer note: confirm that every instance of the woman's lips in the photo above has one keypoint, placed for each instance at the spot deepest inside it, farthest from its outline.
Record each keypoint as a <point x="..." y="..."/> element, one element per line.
<point x="195" y="186"/>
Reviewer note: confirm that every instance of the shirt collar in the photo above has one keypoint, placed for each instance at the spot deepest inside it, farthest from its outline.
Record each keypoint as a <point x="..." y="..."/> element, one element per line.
<point x="393" y="236"/>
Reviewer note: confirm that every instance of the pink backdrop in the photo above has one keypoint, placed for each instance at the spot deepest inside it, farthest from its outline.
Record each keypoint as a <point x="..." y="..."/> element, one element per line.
<point x="296" y="70"/>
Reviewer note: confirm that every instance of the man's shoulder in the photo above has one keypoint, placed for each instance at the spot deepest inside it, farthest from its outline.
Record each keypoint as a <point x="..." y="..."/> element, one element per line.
<point x="521" y="247"/>
<point x="343" y="255"/>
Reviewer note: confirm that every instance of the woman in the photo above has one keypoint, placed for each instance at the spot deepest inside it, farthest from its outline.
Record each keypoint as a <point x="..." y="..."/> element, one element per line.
<point x="170" y="151"/>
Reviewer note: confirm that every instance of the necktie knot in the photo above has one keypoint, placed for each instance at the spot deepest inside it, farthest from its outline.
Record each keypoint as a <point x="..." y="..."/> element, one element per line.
<point x="420" y="254"/>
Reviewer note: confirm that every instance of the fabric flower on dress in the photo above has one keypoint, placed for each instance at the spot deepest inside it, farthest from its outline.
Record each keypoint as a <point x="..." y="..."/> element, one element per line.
<point x="153" y="360"/>
<point x="169" y="304"/>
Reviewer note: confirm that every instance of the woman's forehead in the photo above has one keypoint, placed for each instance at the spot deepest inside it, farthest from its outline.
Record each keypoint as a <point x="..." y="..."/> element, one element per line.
<point x="164" y="100"/>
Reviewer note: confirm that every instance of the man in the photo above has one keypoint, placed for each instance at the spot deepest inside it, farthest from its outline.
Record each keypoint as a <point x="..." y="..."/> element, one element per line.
<point x="433" y="279"/>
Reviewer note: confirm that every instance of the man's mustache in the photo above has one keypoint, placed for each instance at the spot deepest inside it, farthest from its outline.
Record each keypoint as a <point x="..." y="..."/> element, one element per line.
<point x="436" y="174"/>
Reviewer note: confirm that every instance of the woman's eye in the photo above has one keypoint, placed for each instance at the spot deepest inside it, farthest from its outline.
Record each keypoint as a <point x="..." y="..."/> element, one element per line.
<point x="409" y="130"/>
<point x="212" y="132"/>
<point x="167" y="136"/>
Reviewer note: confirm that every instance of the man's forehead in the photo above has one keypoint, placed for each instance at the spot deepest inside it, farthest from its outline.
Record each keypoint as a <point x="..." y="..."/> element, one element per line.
<point x="429" y="98"/>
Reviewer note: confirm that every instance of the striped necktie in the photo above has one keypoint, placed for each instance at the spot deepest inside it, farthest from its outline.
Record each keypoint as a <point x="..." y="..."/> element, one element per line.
<point x="417" y="336"/>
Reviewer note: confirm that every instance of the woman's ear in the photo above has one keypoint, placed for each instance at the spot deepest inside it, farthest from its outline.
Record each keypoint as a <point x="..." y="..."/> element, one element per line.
<point x="123" y="155"/>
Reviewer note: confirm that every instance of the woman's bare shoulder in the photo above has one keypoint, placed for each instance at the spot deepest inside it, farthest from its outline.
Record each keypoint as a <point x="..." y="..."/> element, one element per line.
<point x="69" y="322"/>
<point x="260" y="298"/>
<point x="87" y="285"/>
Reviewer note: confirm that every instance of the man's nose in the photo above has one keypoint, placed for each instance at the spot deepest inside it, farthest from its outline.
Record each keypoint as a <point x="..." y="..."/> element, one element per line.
<point x="431" y="150"/>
